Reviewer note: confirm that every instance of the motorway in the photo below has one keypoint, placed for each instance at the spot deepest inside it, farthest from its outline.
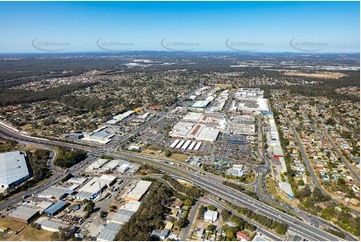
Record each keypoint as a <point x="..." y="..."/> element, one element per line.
<point x="207" y="182"/>
<point x="312" y="219"/>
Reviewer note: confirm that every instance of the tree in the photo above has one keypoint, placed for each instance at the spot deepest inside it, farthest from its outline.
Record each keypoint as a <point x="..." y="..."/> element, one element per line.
<point x="188" y="202"/>
<point x="225" y="214"/>
<point x="301" y="182"/>
<point x="212" y="208"/>
<point x="211" y="227"/>
<point x="230" y="236"/>
<point x="167" y="153"/>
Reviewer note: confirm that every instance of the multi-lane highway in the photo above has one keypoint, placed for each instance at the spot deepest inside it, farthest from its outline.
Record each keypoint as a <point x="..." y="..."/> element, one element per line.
<point x="207" y="182"/>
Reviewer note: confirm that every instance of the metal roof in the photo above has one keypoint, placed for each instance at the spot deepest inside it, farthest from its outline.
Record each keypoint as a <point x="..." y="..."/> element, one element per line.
<point x="13" y="167"/>
<point x="139" y="190"/>
<point x="96" y="184"/>
<point x="55" y="192"/>
<point x="122" y="216"/>
<point x="52" y="224"/>
<point x="56" y="207"/>
<point x="109" y="232"/>
<point x="23" y="212"/>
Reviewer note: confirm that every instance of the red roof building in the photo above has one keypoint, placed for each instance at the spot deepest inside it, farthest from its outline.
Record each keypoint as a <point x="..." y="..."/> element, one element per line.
<point x="242" y="236"/>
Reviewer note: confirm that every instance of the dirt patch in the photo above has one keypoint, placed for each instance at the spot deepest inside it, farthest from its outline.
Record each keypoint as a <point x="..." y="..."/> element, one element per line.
<point x="28" y="233"/>
<point x="179" y="157"/>
<point x="325" y="75"/>
<point x="149" y="152"/>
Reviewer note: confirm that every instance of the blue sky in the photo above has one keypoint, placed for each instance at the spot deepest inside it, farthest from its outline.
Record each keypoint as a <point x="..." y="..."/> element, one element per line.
<point x="259" y="26"/>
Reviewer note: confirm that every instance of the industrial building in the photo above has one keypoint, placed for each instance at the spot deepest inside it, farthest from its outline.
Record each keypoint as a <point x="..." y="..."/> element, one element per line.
<point x="96" y="165"/>
<point x="42" y="206"/>
<point x="73" y="207"/>
<point x="55" y="193"/>
<point x="138" y="191"/>
<point x="100" y="135"/>
<point x="181" y="129"/>
<point x="210" y="216"/>
<point x="126" y="212"/>
<point x="111" y="165"/>
<point x="120" y="117"/>
<point x="96" y="185"/>
<point x="250" y="100"/>
<point x="109" y="232"/>
<point x="198" y="126"/>
<point x="77" y="180"/>
<point x="200" y="104"/>
<point x="51" y="225"/>
<point x="123" y="166"/>
<point x="287" y="189"/>
<point x="23" y="214"/>
<point x="56" y="208"/>
<point x="283" y="165"/>
<point x="236" y="170"/>
<point x="13" y="169"/>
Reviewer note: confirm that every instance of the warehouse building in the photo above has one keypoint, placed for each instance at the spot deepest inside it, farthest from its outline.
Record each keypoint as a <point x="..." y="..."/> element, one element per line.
<point x="40" y="206"/>
<point x="100" y="135"/>
<point x="23" y="214"/>
<point x="13" y="169"/>
<point x="95" y="186"/>
<point x="56" y="208"/>
<point x="181" y="129"/>
<point x="123" y="166"/>
<point x="96" y="164"/>
<point x="77" y="180"/>
<point x="126" y="212"/>
<point x="52" y="225"/>
<point x="111" y="165"/>
<point x="109" y="232"/>
<point x="138" y="191"/>
<point x="210" y="216"/>
<point x="200" y="104"/>
<point x="287" y="189"/>
<point x="55" y="193"/>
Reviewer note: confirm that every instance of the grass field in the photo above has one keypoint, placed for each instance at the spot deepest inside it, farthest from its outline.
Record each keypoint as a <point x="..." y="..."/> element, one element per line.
<point x="329" y="75"/>
<point x="179" y="157"/>
<point x="149" y="152"/>
<point x="223" y="85"/>
<point x="28" y="233"/>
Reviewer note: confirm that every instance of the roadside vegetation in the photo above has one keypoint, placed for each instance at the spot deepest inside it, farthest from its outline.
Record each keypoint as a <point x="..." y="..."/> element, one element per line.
<point x="149" y="216"/>
<point x="7" y="145"/>
<point x="193" y="191"/>
<point x="241" y="189"/>
<point x="279" y="228"/>
<point x="68" y="158"/>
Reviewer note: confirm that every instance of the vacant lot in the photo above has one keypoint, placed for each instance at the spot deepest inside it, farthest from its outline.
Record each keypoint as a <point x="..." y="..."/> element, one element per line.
<point x="28" y="233"/>
<point x="326" y="75"/>
<point x="179" y="157"/>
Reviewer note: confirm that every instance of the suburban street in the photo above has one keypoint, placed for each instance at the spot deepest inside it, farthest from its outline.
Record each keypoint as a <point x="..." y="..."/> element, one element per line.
<point x="206" y="182"/>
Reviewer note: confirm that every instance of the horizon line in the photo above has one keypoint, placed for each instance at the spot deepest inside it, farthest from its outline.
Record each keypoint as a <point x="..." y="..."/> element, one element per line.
<point x="184" y="52"/>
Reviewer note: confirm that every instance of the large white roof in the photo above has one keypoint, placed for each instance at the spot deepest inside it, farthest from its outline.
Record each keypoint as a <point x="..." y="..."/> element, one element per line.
<point x="96" y="184"/>
<point x="12" y="168"/>
<point x="139" y="190"/>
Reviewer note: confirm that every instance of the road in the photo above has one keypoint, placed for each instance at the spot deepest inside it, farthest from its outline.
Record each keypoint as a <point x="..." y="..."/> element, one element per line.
<point x="207" y="182"/>
<point x="339" y="153"/>
<point x="191" y="219"/>
<point x="308" y="162"/>
<point x="261" y="229"/>
<point x="154" y="120"/>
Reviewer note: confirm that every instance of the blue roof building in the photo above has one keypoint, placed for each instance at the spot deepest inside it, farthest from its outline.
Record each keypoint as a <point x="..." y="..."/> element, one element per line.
<point x="56" y="208"/>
